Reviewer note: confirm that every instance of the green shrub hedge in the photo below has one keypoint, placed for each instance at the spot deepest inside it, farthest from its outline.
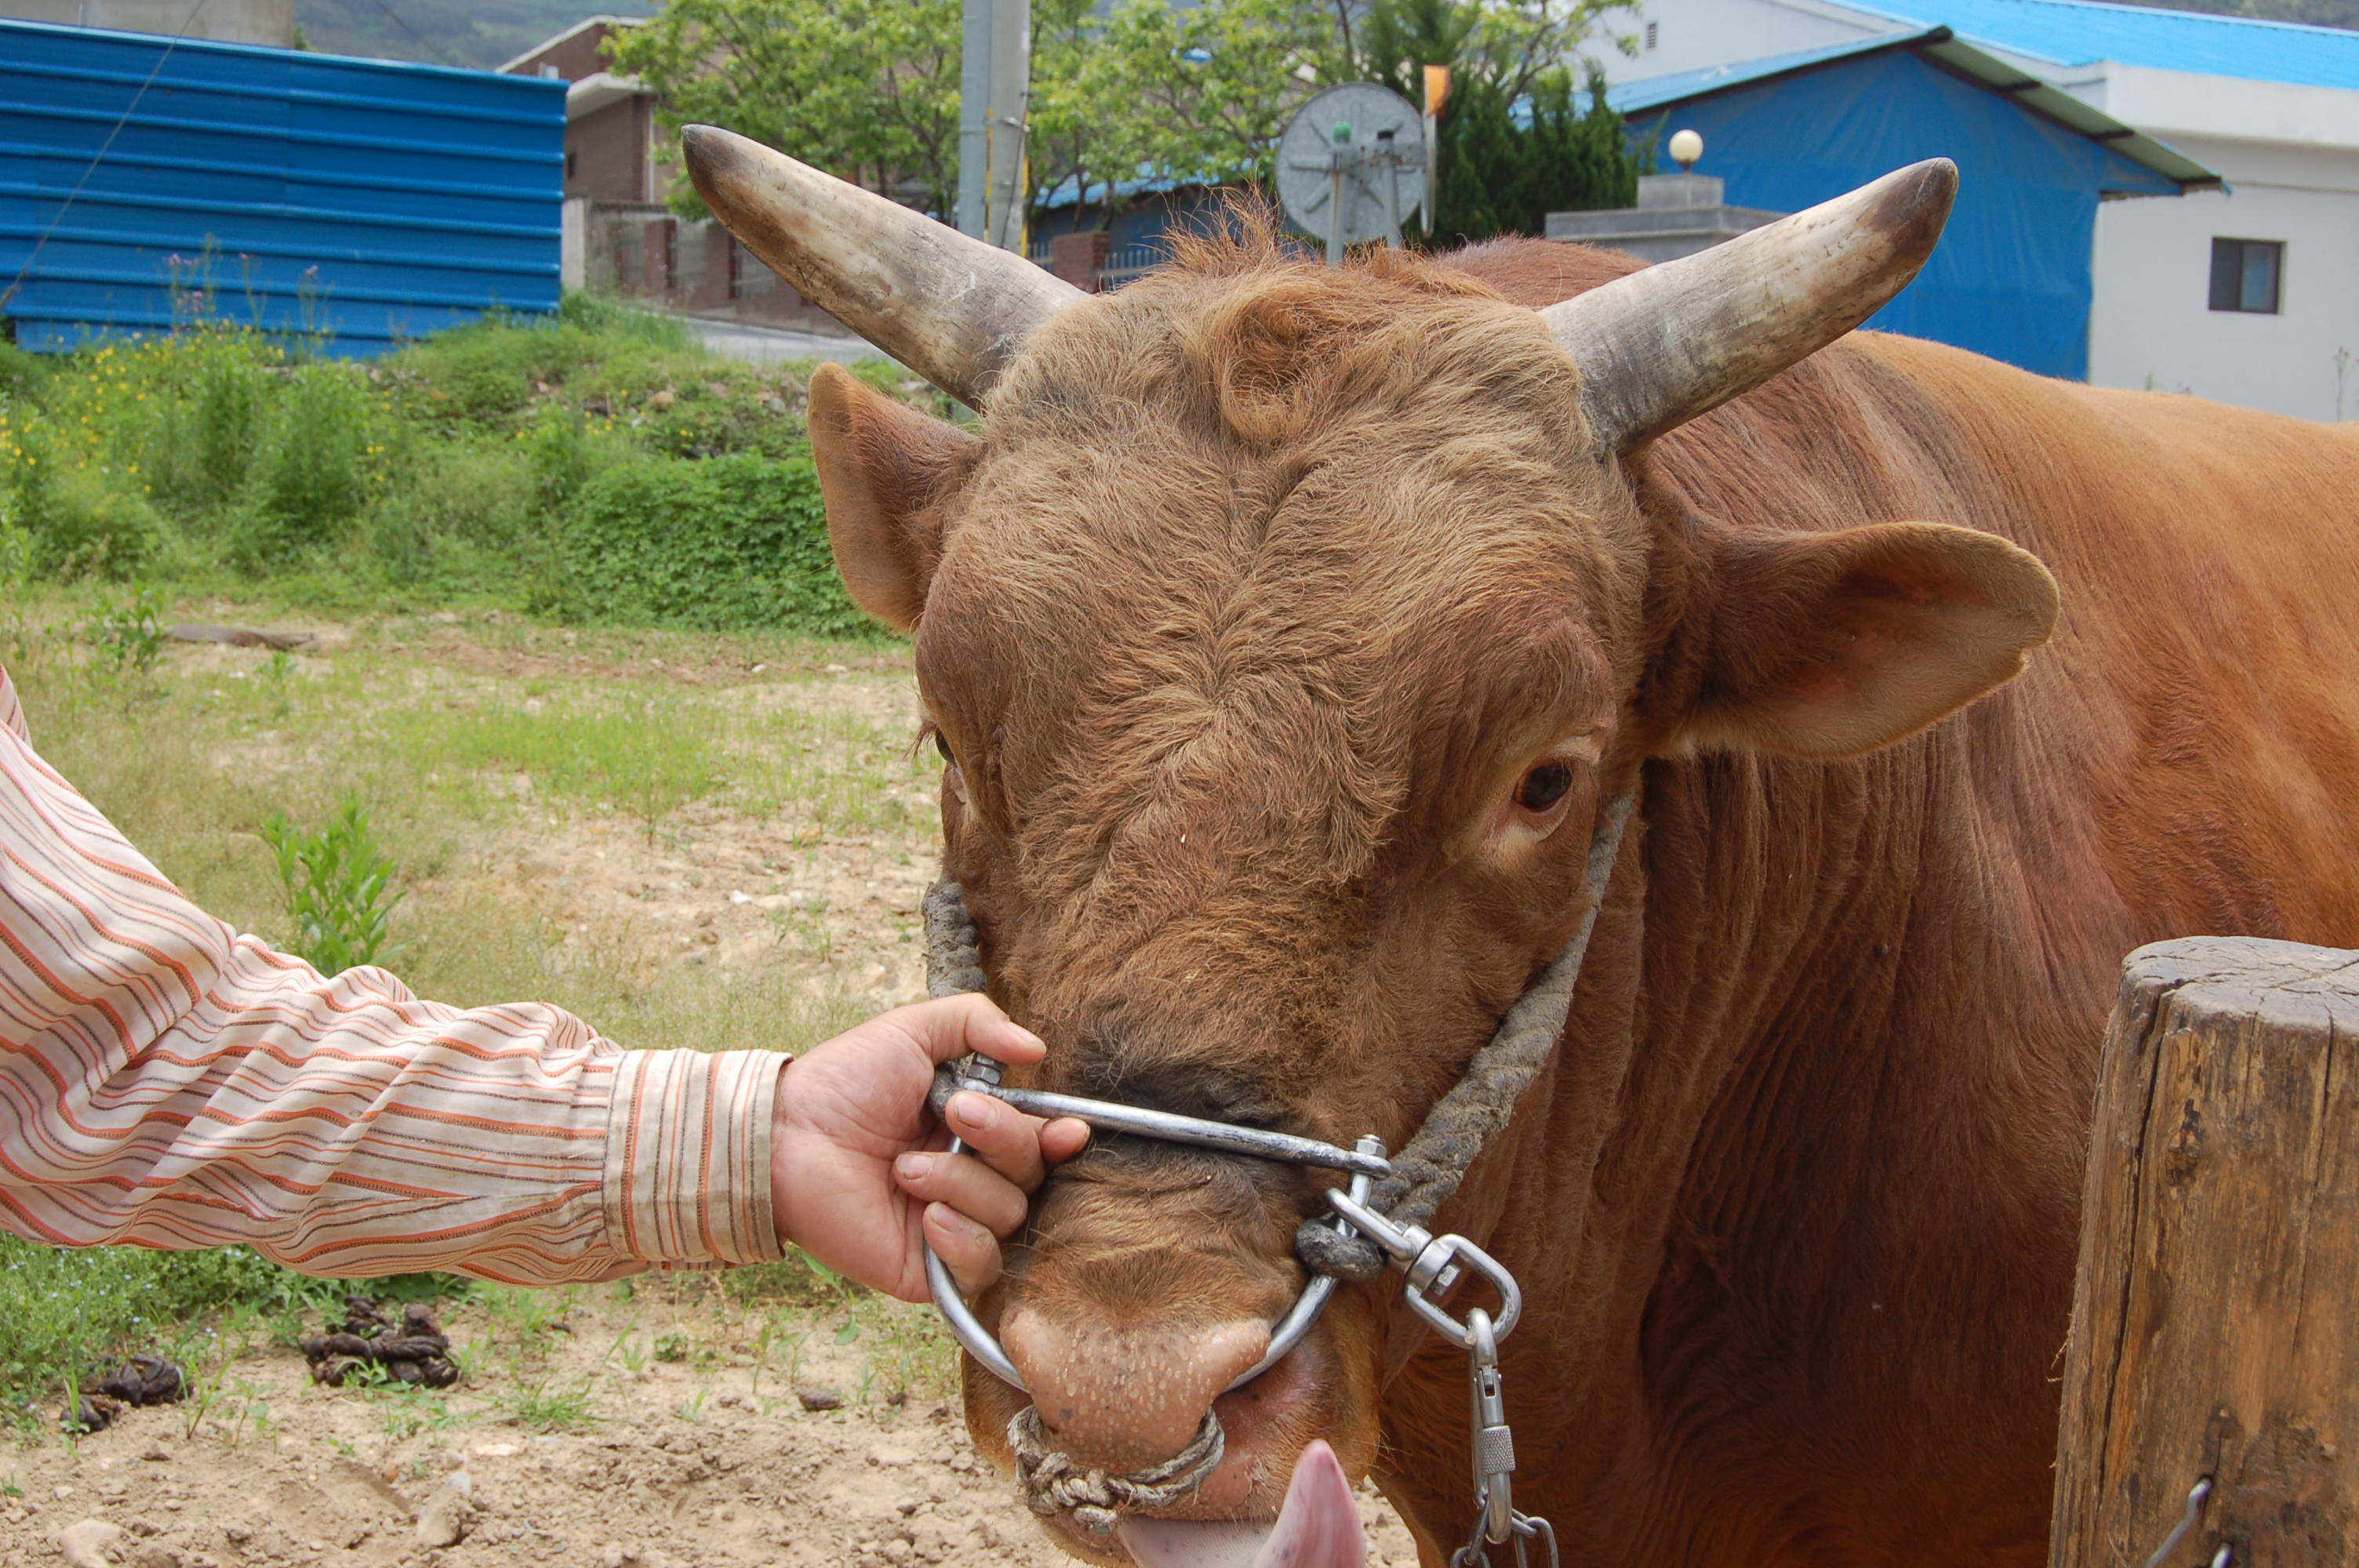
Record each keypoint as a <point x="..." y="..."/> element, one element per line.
<point x="719" y="544"/>
<point x="596" y="466"/>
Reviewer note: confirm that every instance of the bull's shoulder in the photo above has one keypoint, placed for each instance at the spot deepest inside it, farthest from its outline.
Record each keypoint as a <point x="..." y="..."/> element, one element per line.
<point x="1539" y="272"/>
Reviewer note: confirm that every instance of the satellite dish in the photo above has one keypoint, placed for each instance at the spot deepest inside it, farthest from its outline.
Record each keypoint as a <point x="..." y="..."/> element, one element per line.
<point x="1351" y="166"/>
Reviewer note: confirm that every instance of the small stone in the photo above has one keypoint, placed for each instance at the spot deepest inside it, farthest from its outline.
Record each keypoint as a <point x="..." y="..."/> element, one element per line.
<point x="816" y="1399"/>
<point x="63" y="1494"/>
<point x="444" y="1518"/>
<point x="897" y="1551"/>
<point x="94" y="1543"/>
<point x="839" y="669"/>
<point x="532" y="707"/>
<point x="739" y="898"/>
<point x="154" y="1554"/>
<point x="614" y="1554"/>
<point x="158" y="1454"/>
<point x="892" y="1454"/>
<point x="497" y="1450"/>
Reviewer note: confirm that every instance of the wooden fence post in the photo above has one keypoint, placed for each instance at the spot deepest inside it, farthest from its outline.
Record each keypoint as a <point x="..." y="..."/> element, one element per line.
<point x="2216" y="1324"/>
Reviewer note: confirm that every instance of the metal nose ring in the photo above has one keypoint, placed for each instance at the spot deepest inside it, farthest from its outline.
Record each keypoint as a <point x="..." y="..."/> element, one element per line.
<point x="1366" y="1162"/>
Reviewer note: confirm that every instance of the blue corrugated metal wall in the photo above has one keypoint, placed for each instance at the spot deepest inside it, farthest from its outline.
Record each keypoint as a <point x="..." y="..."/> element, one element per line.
<point x="2011" y="276"/>
<point x="372" y="199"/>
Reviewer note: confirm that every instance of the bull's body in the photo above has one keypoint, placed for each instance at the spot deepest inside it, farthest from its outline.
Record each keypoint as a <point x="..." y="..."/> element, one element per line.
<point x="1809" y="1303"/>
<point x="1288" y="629"/>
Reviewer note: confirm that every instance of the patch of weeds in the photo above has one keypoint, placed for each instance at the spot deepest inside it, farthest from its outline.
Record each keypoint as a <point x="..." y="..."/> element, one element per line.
<point x="339" y="888"/>
<point x="671" y="1347"/>
<point x="692" y="1407"/>
<point x="126" y="641"/>
<point x="526" y="1322"/>
<point x="278" y="678"/>
<point x="549" y="1404"/>
<point x="404" y="1410"/>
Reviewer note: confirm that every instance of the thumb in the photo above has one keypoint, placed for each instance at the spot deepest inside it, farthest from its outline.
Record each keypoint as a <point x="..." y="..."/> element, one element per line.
<point x="950" y="1027"/>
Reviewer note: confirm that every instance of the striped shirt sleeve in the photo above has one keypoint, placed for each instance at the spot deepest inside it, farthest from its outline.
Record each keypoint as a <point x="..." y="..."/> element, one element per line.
<point x="166" y="1082"/>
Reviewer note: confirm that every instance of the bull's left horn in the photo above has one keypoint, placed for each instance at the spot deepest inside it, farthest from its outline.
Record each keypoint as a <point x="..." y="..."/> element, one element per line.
<point x="951" y="308"/>
<point x="1657" y="347"/>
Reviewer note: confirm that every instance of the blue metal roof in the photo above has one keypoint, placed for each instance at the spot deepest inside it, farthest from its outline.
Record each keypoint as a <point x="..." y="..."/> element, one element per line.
<point x="373" y="199"/>
<point x="1631" y="97"/>
<point x="1941" y="46"/>
<point x="2081" y="32"/>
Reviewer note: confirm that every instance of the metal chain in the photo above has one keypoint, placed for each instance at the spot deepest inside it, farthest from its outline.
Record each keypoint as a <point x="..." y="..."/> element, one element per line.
<point x="1054" y="1484"/>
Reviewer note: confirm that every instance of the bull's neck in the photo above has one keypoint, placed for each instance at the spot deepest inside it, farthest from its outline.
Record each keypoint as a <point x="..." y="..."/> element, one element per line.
<point x="1761" y="1076"/>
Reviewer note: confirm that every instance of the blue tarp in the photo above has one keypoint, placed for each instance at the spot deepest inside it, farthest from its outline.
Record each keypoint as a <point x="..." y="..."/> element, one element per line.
<point x="2010" y="277"/>
<point x="371" y="199"/>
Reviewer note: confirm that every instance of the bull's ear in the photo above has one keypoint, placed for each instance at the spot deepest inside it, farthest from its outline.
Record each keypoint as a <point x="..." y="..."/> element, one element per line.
<point x="1827" y="645"/>
<point x="887" y="472"/>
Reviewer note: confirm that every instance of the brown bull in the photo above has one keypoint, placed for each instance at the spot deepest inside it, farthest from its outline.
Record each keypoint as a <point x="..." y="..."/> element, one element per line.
<point x="1287" y="630"/>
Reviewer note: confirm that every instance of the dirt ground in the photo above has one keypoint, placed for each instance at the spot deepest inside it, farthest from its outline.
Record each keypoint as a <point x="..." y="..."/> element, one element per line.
<point x="647" y="1425"/>
<point x="671" y="1465"/>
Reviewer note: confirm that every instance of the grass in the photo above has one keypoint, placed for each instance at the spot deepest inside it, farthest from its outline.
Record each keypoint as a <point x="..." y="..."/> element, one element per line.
<point x="463" y="747"/>
<point x="596" y="466"/>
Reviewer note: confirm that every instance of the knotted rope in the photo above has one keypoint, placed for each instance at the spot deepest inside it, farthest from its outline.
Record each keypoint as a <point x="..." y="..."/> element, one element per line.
<point x="1053" y="1484"/>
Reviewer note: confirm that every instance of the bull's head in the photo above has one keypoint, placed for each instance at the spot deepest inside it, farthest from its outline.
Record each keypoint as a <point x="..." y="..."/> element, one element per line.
<point x="1285" y="630"/>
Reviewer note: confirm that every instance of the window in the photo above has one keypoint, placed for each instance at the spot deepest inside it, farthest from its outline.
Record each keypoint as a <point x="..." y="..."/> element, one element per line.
<point x="1654" y="33"/>
<point x="2246" y="275"/>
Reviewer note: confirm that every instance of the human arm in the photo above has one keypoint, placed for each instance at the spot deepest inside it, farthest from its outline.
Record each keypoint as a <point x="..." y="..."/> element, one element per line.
<point x="167" y="1082"/>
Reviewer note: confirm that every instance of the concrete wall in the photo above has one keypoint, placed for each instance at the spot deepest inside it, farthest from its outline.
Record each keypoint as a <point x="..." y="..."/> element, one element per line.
<point x="2151" y="325"/>
<point x="268" y="22"/>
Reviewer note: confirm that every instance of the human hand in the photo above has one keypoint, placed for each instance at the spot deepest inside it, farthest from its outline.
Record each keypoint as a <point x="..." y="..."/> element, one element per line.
<point x="858" y="1176"/>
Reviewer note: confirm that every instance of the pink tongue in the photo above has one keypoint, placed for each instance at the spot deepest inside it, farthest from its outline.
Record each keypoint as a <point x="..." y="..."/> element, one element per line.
<point x="1318" y="1527"/>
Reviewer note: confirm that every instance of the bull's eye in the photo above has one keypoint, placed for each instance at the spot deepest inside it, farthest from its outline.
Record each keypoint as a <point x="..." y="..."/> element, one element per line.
<point x="942" y="744"/>
<point x="1543" y="787"/>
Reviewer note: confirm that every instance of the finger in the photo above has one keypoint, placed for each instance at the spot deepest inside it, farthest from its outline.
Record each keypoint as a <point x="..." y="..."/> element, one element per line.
<point x="1062" y="1139"/>
<point x="970" y="1251"/>
<point x="950" y="1027"/>
<point x="976" y="1191"/>
<point x="1008" y="1140"/>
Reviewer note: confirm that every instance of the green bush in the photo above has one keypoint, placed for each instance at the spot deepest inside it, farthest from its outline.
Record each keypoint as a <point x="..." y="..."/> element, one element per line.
<point x="549" y="464"/>
<point x="314" y="471"/>
<point x="80" y="521"/>
<point x="725" y="544"/>
<point x="339" y="888"/>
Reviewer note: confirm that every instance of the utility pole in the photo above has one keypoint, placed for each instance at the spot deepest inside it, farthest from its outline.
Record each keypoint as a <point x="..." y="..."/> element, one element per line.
<point x="995" y="88"/>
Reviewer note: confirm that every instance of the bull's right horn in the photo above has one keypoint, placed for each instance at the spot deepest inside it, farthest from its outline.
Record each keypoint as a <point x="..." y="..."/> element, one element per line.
<point x="1659" y="346"/>
<point x="951" y="308"/>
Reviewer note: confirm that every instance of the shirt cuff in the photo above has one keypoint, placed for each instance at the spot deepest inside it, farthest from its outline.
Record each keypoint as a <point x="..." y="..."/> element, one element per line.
<point x="688" y="1157"/>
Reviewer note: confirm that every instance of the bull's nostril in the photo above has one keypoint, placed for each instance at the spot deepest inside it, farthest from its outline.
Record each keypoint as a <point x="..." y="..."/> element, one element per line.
<point x="1123" y="1399"/>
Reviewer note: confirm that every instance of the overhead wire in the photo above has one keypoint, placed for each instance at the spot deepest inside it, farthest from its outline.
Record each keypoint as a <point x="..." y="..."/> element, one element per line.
<point x="107" y="146"/>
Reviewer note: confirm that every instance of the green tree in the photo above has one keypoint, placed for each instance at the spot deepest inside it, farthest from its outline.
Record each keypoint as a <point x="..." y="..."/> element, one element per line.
<point x="1144" y="89"/>
<point x="864" y="89"/>
<point x="1516" y="140"/>
<point x="1506" y="166"/>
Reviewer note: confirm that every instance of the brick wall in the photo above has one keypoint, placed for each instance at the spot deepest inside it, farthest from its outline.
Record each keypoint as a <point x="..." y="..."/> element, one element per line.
<point x="606" y="152"/>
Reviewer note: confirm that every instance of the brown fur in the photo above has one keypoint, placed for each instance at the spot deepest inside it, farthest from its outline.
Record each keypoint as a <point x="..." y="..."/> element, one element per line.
<point x="1263" y="586"/>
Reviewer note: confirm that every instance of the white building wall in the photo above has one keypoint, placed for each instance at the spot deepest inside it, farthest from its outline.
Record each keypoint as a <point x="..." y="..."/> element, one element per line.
<point x="2151" y="325"/>
<point x="1690" y="35"/>
<point x="2290" y="155"/>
